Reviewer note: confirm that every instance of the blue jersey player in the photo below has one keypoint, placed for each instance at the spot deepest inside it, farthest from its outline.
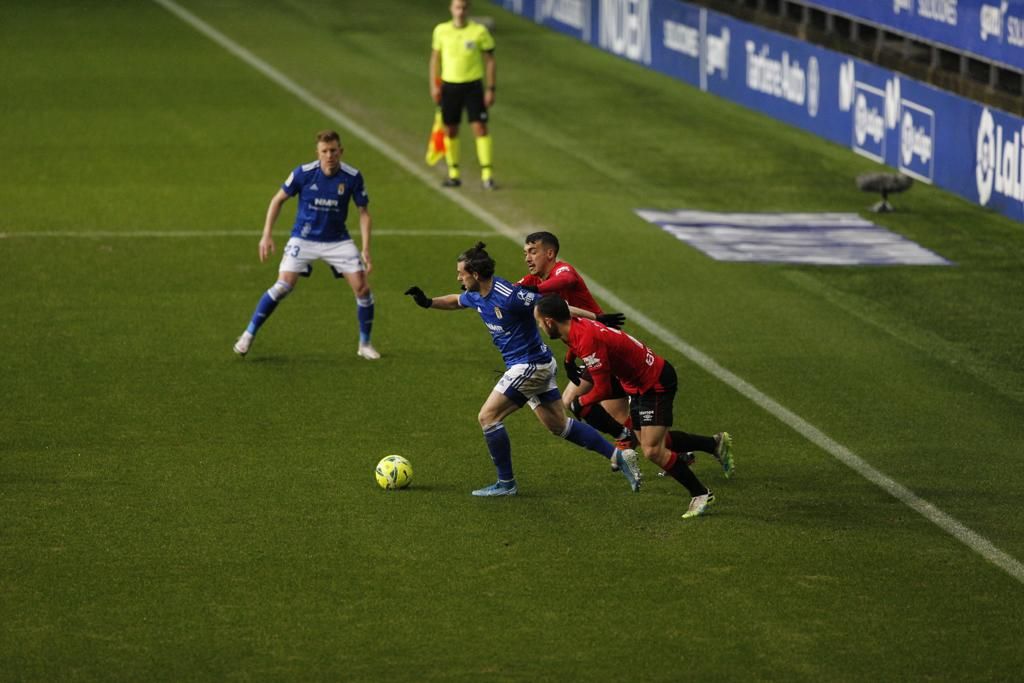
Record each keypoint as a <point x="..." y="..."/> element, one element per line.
<point x="324" y="189"/>
<point x="507" y="311"/>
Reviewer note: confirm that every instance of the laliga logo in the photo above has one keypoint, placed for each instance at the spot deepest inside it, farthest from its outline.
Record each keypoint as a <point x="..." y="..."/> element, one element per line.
<point x="985" y="168"/>
<point x="999" y="162"/>
<point x="914" y="140"/>
<point x="867" y="122"/>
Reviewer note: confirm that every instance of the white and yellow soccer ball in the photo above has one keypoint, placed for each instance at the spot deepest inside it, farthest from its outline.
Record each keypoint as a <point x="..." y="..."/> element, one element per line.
<point x="393" y="472"/>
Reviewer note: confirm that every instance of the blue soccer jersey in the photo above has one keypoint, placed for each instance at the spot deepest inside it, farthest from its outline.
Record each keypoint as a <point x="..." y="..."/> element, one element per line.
<point x="507" y="311"/>
<point x="323" y="200"/>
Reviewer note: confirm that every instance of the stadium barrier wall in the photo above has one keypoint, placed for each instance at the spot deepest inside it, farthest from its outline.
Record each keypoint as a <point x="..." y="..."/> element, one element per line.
<point x="992" y="29"/>
<point x="932" y="135"/>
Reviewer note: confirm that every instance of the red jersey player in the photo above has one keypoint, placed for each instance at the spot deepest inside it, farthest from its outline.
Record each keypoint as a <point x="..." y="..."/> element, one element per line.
<point x="651" y="383"/>
<point x="548" y="275"/>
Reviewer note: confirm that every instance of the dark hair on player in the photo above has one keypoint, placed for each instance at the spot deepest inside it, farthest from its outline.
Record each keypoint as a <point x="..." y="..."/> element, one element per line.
<point x="553" y="306"/>
<point x="544" y="237"/>
<point x="328" y="136"/>
<point x="478" y="261"/>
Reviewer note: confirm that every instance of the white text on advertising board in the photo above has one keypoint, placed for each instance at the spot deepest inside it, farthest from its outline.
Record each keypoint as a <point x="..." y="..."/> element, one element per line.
<point x="943" y="11"/>
<point x="568" y="12"/>
<point x="626" y="28"/>
<point x="783" y="78"/>
<point x="681" y="38"/>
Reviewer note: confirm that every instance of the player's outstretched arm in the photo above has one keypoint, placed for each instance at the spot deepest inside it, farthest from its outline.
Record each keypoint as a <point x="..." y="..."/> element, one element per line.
<point x="581" y="313"/>
<point x="616" y="320"/>
<point x="448" y="302"/>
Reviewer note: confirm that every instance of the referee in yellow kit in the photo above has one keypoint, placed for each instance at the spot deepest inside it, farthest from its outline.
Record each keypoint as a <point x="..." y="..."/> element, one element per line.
<point x="461" y="60"/>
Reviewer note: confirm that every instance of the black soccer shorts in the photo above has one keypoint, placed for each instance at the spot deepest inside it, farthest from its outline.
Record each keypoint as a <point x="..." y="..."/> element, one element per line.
<point x="458" y="96"/>
<point x="654" y="408"/>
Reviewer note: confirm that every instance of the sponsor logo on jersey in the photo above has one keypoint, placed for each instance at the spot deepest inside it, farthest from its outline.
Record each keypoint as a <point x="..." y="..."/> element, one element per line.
<point x="327" y="203"/>
<point x="495" y="328"/>
<point x="526" y="296"/>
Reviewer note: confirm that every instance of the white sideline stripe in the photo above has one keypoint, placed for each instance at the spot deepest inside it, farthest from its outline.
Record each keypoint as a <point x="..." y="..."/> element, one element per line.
<point x="94" y="234"/>
<point x="952" y="526"/>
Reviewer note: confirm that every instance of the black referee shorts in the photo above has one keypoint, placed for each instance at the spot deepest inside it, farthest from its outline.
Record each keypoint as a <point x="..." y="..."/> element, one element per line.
<point x="458" y="96"/>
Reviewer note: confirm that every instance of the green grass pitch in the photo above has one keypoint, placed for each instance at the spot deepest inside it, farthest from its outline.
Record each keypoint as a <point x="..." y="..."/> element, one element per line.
<point x="170" y="512"/>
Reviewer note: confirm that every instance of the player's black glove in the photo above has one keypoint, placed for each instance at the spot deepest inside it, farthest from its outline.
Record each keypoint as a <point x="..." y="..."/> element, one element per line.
<point x="615" y="320"/>
<point x="572" y="371"/>
<point x="419" y="297"/>
<point x="577" y="409"/>
<point x="530" y="288"/>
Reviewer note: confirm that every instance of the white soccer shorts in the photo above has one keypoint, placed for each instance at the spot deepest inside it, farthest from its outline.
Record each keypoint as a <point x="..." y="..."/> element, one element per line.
<point x="342" y="257"/>
<point x="530" y="383"/>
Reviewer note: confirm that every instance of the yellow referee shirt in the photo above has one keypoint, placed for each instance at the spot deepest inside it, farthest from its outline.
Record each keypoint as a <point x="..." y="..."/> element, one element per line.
<point x="462" y="50"/>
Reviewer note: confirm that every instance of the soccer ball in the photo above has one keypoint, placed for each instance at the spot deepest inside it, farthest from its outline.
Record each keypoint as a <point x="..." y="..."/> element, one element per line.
<point x="393" y="472"/>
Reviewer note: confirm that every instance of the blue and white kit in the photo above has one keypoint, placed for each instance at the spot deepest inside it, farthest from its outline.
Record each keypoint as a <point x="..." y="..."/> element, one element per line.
<point x="507" y="311"/>
<point x="323" y="200"/>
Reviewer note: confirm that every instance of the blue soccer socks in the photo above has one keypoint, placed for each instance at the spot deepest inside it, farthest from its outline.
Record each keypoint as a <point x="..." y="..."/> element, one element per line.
<point x="268" y="302"/>
<point x="364" y="312"/>
<point x="501" y="450"/>
<point x="586" y="436"/>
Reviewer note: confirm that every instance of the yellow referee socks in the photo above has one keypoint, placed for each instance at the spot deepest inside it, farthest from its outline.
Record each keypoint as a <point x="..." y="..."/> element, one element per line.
<point x="451" y="156"/>
<point x="483" y="155"/>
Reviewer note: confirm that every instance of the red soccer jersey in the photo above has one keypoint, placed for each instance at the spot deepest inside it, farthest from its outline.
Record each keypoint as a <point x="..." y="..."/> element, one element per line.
<point x="566" y="283"/>
<point x="606" y="353"/>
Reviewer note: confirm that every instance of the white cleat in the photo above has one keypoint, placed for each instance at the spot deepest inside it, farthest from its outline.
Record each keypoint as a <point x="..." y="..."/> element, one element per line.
<point x="243" y="344"/>
<point x="627" y="462"/>
<point x="699" y="505"/>
<point x="368" y="352"/>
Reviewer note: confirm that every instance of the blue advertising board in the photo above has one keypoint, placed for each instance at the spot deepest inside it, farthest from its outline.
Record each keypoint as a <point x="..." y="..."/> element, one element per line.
<point x="991" y="29"/>
<point x="932" y="135"/>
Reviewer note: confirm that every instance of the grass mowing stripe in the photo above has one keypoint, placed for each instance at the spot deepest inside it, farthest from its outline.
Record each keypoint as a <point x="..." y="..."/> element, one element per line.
<point x="979" y="544"/>
<point x="94" y="234"/>
<point x="957" y="529"/>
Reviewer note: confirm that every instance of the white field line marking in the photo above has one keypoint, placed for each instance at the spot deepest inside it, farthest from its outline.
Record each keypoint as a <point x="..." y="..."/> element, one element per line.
<point x="950" y="525"/>
<point x="98" y="234"/>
